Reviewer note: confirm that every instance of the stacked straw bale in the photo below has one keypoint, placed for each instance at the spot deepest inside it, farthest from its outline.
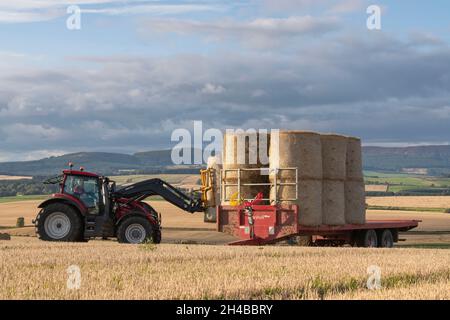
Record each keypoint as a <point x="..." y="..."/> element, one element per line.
<point x="329" y="176"/>
<point x="334" y="157"/>
<point x="242" y="151"/>
<point x="355" y="204"/>
<point x="303" y="150"/>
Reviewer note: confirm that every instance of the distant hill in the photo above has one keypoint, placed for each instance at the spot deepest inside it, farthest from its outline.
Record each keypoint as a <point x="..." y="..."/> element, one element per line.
<point x="100" y="162"/>
<point x="433" y="160"/>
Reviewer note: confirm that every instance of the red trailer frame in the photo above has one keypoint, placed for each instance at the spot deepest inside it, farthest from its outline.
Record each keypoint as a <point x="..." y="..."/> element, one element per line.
<point x="267" y="224"/>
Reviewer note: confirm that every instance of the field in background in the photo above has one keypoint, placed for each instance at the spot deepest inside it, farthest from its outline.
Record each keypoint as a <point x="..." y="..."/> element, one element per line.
<point x="411" y="203"/>
<point x="32" y="269"/>
<point x="22" y="198"/>
<point x="182" y="227"/>
<point x="175" y="179"/>
<point x="5" y="177"/>
<point x="401" y="182"/>
<point x="377" y="183"/>
<point x="377" y="187"/>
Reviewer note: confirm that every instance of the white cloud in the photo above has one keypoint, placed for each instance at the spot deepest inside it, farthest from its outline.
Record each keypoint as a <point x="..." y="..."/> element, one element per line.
<point x="346" y="6"/>
<point x="420" y="38"/>
<point x="261" y="32"/>
<point x="210" y="88"/>
<point x="28" y="16"/>
<point x="20" y="11"/>
<point x="153" y="9"/>
<point x="297" y="6"/>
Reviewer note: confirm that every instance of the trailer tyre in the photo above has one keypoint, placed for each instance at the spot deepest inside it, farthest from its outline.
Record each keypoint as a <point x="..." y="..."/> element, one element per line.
<point x="367" y="239"/>
<point x="135" y="230"/>
<point x="59" y="222"/>
<point x="386" y="239"/>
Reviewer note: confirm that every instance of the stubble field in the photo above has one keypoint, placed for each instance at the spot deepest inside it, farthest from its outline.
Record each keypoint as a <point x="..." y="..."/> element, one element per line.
<point x="32" y="269"/>
<point x="182" y="267"/>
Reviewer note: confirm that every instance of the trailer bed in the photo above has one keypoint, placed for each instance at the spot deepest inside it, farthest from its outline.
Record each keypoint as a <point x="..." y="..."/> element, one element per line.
<point x="274" y="223"/>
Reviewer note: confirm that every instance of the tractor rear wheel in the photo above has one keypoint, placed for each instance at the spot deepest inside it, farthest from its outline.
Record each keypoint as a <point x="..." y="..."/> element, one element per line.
<point x="135" y="230"/>
<point x="59" y="222"/>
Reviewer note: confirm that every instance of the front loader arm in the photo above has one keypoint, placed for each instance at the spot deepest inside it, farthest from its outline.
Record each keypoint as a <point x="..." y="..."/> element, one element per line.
<point x="151" y="187"/>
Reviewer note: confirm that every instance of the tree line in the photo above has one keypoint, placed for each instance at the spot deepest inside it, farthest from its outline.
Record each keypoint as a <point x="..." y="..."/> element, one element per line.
<point x="35" y="186"/>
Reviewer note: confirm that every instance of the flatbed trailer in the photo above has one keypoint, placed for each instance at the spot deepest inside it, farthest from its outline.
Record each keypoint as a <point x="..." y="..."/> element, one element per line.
<point x="268" y="224"/>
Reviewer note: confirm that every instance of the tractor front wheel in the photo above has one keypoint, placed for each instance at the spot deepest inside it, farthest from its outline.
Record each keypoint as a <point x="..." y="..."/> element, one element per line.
<point x="135" y="230"/>
<point x="59" y="222"/>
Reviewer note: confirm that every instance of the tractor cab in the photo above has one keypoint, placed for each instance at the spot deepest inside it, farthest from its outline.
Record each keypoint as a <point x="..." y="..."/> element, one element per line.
<point x="84" y="186"/>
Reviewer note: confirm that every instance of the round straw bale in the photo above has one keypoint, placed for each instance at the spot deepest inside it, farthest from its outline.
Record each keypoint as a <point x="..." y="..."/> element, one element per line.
<point x="244" y="151"/>
<point x="334" y="156"/>
<point x="354" y="159"/>
<point x="300" y="149"/>
<point x="333" y="202"/>
<point x="309" y="200"/>
<point x="210" y="214"/>
<point x="5" y="236"/>
<point x="355" y="202"/>
<point x="20" y="223"/>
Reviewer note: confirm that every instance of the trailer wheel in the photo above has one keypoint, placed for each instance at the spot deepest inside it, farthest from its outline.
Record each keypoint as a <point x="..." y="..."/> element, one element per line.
<point x="386" y="239"/>
<point x="367" y="239"/>
<point x="135" y="230"/>
<point x="59" y="222"/>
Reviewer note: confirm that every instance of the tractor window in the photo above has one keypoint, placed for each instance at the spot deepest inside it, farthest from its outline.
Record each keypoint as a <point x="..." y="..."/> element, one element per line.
<point x="84" y="188"/>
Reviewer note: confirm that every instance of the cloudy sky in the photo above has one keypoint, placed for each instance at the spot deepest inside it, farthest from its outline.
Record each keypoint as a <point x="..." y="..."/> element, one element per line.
<point x="138" y="69"/>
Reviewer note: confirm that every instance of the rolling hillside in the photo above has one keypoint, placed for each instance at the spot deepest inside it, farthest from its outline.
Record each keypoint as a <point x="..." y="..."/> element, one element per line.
<point x="100" y="162"/>
<point x="430" y="160"/>
<point x="435" y="159"/>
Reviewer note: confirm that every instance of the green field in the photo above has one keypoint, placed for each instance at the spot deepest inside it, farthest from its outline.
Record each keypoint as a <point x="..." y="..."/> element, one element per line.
<point x="403" y="181"/>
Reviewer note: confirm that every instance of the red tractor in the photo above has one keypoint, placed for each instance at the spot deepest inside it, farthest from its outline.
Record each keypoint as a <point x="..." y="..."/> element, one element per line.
<point x="89" y="206"/>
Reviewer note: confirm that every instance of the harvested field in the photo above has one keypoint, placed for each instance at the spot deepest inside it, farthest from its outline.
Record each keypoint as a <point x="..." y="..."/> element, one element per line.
<point x="10" y="211"/>
<point x="180" y="226"/>
<point x="376" y="187"/>
<point x="410" y="201"/>
<point x="431" y="221"/>
<point x="170" y="178"/>
<point x="38" y="270"/>
<point x="171" y="215"/>
<point x="429" y="291"/>
<point x="3" y="177"/>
